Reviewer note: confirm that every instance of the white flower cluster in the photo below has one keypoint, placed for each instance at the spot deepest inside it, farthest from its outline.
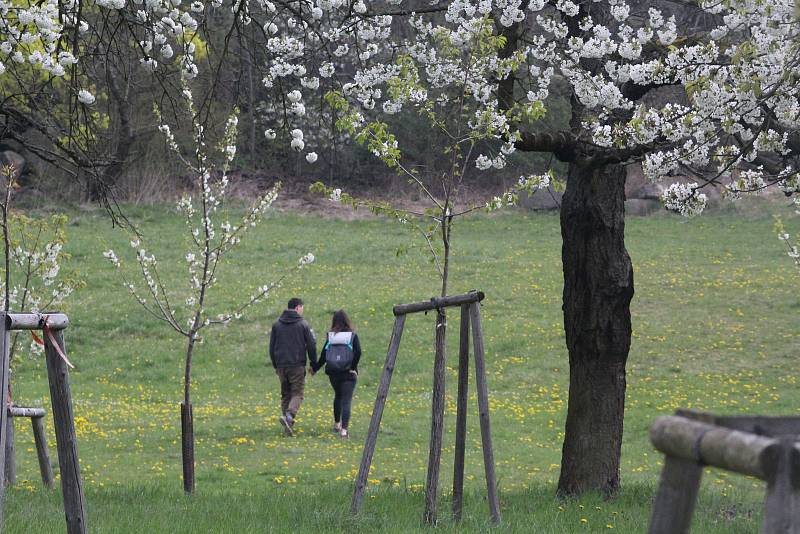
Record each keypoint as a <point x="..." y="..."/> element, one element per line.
<point x="111" y="256"/>
<point x="533" y="183"/>
<point x="684" y="199"/>
<point x="526" y="184"/>
<point x="31" y="33"/>
<point x="297" y="140"/>
<point x="35" y="266"/>
<point x="748" y="181"/>
<point x="308" y="259"/>
<point x="507" y="199"/>
<point x="38" y="266"/>
<point x="85" y="97"/>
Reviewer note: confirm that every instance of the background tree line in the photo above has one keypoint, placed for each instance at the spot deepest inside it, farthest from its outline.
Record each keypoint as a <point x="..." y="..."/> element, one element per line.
<point x="110" y="150"/>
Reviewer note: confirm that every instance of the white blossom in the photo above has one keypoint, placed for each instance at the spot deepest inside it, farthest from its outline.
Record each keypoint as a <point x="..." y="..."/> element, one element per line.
<point x="307" y="259"/>
<point x="684" y="199"/>
<point x="85" y="97"/>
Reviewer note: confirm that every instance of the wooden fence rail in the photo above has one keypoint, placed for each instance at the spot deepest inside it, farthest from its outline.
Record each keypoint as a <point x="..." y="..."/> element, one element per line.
<point x="765" y="448"/>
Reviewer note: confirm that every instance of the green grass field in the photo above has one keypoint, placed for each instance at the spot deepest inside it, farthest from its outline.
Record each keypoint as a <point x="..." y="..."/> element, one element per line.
<point x="715" y="328"/>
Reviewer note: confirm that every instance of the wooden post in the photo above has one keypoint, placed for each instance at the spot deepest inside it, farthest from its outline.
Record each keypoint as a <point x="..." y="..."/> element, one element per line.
<point x="377" y="413"/>
<point x="4" y="372"/>
<point x="63" y="421"/>
<point x="483" y="411"/>
<point x="40" y="438"/>
<point x="437" y="420"/>
<point x="461" y="414"/>
<point x="782" y="504"/>
<point x="36" y="415"/>
<point x="187" y="448"/>
<point x="11" y="465"/>
<point x="676" y="497"/>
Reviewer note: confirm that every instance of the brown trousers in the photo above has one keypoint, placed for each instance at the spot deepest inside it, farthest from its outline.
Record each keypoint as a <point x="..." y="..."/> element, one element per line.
<point x="293" y="381"/>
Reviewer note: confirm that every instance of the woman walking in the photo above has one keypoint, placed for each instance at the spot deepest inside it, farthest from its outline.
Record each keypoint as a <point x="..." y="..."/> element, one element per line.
<point x="340" y="356"/>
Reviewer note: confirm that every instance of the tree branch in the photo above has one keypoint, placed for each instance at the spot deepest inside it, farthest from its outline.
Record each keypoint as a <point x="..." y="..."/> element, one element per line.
<point x="563" y="144"/>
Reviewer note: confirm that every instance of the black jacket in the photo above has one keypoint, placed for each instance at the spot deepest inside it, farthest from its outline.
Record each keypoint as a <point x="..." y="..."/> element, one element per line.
<point x="291" y="339"/>
<point x="353" y="366"/>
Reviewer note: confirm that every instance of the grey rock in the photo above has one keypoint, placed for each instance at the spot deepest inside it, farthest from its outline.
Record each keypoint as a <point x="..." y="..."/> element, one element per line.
<point x="634" y="179"/>
<point x="648" y="191"/>
<point x="639" y="207"/>
<point x="543" y="200"/>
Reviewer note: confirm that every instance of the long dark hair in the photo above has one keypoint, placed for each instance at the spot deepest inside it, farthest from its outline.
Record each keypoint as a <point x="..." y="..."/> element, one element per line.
<point x="341" y="322"/>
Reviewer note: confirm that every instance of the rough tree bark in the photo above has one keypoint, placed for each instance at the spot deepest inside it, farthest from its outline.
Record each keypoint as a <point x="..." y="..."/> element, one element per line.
<point x="598" y="287"/>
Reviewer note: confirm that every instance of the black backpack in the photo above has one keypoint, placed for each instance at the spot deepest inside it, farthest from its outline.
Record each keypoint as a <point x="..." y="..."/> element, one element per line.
<point x="339" y="351"/>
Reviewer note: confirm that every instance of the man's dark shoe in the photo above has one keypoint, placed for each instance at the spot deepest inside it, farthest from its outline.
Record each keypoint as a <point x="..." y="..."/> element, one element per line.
<point x="287" y="422"/>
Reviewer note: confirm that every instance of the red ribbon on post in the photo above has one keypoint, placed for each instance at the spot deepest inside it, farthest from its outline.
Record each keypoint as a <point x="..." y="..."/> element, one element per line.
<point x="49" y="333"/>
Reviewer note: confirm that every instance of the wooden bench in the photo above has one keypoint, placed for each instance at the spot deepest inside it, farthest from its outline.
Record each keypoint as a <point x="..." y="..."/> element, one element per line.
<point x="36" y="416"/>
<point x="763" y="447"/>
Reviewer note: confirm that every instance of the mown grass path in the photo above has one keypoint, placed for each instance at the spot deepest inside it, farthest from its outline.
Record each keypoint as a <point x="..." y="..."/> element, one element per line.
<point x="715" y="328"/>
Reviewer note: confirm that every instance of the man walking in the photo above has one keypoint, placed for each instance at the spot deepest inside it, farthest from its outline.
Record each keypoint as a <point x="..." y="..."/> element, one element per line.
<point x="291" y="340"/>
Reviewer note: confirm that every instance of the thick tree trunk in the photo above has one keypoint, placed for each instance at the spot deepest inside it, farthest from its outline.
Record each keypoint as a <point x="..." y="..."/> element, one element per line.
<point x="598" y="287"/>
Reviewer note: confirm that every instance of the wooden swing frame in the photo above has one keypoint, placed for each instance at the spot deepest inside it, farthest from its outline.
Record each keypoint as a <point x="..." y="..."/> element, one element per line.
<point x="470" y="314"/>
<point x="52" y="326"/>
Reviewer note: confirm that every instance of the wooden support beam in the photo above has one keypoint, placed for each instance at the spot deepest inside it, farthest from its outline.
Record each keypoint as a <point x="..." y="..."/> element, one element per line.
<point x="10" y="477"/>
<point x="762" y="425"/>
<point x="437" y="420"/>
<point x="35" y="321"/>
<point x="22" y="411"/>
<point x="45" y="469"/>
<point x="795" y="465"/>
<point x="676" y="497"/>
<point x="461" y="414"/>
<point x="744" y="453"/>
<point x="63" y="421"/>
<point x="377" y="413"/>
<point x="5" y="343"/>
<point x="782" y="504"/>
<point x="36" y="416"/>
<point x="438" y="303"/>
<point x="483" y="412"/>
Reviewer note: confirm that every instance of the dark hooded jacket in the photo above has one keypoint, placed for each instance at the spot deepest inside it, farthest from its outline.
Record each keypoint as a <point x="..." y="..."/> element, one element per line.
<point x="290" y="341"/>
